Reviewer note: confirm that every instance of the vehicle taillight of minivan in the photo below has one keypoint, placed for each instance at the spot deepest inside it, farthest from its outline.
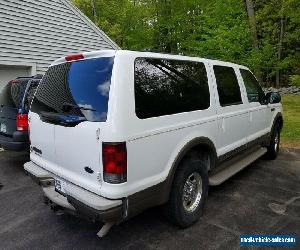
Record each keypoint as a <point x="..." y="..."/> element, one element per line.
<point x="114" y="159"/>
<point x="14" y="82"/>
<point x="22" y="122"/>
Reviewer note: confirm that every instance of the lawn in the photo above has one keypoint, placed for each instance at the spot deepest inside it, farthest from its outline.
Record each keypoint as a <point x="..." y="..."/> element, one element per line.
<point x="290" y="136"/>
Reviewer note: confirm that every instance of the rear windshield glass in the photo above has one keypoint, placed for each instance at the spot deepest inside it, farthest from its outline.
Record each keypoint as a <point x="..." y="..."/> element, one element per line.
<point x="11" y="94"/>
<point x="78" y="88"/>
<point x="30" y="91"/>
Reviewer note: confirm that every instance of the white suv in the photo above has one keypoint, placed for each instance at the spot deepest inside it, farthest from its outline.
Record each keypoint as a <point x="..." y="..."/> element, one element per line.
<point x="115" y="132"/>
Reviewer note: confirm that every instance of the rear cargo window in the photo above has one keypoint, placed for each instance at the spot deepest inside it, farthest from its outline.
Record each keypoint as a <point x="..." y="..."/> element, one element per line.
<point x="11" y="95"/>
<point x="78" y="88"/>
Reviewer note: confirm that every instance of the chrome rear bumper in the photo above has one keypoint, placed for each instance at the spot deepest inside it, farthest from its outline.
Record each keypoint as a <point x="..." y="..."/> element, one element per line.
<point x="76" y="199"/>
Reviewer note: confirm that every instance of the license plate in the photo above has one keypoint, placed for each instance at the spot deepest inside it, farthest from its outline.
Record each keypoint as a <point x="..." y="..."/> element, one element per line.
<point x="2" y="128"/>
<point x="60" y="186"/>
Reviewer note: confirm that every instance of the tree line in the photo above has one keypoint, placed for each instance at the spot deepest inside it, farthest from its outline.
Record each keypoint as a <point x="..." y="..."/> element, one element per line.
<point x="262" y="34"/>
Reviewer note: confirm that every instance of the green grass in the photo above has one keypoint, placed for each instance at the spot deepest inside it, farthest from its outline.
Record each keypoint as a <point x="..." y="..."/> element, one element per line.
<point x="290" y="136"/>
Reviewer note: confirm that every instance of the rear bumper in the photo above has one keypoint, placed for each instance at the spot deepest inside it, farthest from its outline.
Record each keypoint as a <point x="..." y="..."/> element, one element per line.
<point x="18" y="142"/>
<point x="77" y="199"/>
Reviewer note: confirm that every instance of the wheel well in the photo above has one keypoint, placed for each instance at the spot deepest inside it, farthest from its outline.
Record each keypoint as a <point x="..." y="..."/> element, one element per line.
<point x="199" y="147"/>
<point x="280" y="121"/>
<point x="200" y="144"/>
<point x="205" y="149"/>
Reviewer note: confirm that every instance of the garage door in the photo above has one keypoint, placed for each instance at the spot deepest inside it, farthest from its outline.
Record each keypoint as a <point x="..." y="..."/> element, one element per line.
<point x="8" y="72"/>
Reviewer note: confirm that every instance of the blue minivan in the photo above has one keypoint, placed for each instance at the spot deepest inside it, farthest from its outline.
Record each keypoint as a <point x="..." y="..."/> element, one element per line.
<point x="15" y="99"/>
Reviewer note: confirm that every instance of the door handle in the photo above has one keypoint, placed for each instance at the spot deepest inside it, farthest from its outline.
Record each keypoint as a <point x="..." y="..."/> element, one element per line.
<point x="272" y="109"/>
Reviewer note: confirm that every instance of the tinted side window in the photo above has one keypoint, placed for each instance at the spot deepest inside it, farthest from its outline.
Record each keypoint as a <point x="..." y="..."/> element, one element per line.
<point x="228" y="86"/>
<point x="254" y="91"/>
<point x="164" y="87"/>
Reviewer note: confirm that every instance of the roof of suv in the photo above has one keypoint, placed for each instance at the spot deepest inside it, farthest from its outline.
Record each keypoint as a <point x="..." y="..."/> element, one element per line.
<point x="104" y="53"/>
<point x="27" y="78"/>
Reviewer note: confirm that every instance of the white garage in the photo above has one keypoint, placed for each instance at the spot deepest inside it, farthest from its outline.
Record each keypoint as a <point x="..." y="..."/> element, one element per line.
<point x="33" y="33"/>
<point x="11" y="70"/>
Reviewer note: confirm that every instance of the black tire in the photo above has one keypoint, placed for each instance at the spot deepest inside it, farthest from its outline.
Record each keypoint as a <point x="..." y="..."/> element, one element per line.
<point x="177" y="213"/>
<point x="273" y="148"/>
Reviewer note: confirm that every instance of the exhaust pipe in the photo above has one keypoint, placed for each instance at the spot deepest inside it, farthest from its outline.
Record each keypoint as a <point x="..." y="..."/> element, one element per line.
<point x="58" y="210"/>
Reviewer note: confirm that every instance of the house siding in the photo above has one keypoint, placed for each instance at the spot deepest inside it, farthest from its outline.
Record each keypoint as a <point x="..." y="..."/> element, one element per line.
<point x="40" y="31"/>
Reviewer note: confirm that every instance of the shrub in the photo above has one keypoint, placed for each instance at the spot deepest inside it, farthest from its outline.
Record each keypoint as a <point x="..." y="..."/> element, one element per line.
<point x="295" y="80"/>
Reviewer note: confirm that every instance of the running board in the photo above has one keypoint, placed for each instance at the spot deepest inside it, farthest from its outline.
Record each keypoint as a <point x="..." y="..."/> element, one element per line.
<point x="221" y="176"/>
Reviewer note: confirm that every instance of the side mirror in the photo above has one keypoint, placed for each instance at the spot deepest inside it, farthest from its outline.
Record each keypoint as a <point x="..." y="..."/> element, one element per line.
<point x="273" y="97"/>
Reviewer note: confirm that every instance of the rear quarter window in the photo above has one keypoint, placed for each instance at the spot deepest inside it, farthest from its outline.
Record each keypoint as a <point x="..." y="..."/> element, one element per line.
<point x="165" y="87"/>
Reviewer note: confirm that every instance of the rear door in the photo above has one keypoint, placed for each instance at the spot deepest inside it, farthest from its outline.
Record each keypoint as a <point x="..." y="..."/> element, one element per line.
<point x="10" y="98"/>
<point x="71" y="104"/>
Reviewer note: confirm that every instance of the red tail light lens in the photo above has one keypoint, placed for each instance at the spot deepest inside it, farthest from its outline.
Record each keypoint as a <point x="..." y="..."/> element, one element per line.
<point x="74" y="57"/>
<point x="114" y="158"/>
<point x="22" y="122"/>
<point x="13" y="82"/>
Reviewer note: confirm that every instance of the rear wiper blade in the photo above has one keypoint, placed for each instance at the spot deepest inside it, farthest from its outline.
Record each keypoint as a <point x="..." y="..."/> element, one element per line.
<point x="56" y="118"/>
<point x="69" y="106"/>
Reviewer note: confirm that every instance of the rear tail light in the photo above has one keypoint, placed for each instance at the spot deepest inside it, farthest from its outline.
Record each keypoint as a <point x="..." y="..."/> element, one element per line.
<point x="22" y="122"/>
<point x="13" y="82"/>
<point x="74" y="57"/>
<point x="114" y="158"/>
